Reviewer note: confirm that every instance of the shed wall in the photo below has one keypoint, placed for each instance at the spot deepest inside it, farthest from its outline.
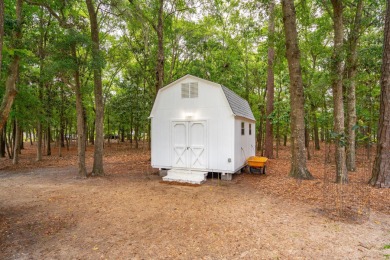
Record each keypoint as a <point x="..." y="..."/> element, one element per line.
<point x="210" y="106"/>
<point x="244" y="145"/>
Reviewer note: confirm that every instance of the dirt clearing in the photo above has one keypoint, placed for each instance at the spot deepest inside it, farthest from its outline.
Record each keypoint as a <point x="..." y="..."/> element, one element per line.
<point x="47" y="212"/>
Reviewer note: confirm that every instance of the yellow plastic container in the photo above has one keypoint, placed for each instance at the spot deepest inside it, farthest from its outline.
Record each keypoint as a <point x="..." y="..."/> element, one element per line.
<point x="257" y="164"/>
<point x="256" y="161"/>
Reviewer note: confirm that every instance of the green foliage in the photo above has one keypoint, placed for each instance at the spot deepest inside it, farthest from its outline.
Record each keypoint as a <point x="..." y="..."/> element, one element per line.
<point x="222" y="41"/>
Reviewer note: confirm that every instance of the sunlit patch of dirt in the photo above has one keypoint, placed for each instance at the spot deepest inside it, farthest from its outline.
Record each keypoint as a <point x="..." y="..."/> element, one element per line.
<point x="47" y="212"/>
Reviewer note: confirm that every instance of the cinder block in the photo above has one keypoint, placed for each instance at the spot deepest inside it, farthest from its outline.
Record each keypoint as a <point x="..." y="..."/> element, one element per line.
<point x="226" y="176"/>
<point x="163" y="172"/>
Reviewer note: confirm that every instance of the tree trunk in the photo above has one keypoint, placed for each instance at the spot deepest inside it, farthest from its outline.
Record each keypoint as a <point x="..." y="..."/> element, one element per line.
<point x="1" y="31"/>
<point x="92" y="133"/>
<point x="381" y="172"/>
<point x="160" y="54"/>
<point x="98" y="91"/>
<point x="131" y="128"/>
<point x="62" y="119"/>
<point x="10" y="84"/>
<point x="307" y="142"/>
<point x="15" y="158"/>
<point x="10" y="91"/>
<point x="39" y="142"/>
<point x="80" y="120"/>
<point x="351" y="89"/>
<point x="41" y="54"/>
<point x="21" y="142"/>
<point x="298" y="158"/>
<point x="48" y="151"/>
<point x="337" y="87"/>
<point x="2" y="142"/>
<point x="315" y="129"/>
<point x="269" y="136"/>
<point x="260" y="132"/>
<point x="30" y="137"/>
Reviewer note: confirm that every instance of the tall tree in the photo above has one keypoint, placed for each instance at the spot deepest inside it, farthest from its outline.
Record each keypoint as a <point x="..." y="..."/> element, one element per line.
<point x="1" y="31"/>
<point x="10" y="84"/>
<point x="160" y="54"/>
<point x="67" y="23"/>
<point x="98" y="90"/>
<point x="337" y="88"/>
<point x="351" y="66"/>
<point x="15" y="158"/>
<point x="81" y="132"/>
<point x="381" y="171"/>
<point x="159" y="29"/>
<point x="269" y="135"/>
<point x="298" y="159"/>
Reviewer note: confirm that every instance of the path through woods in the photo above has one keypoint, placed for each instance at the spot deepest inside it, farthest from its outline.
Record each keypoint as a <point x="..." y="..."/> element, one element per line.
<point x="46" y="212"/>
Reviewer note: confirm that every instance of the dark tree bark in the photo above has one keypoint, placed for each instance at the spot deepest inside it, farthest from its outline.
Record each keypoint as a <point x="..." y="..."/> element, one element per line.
<point x="98" y="91"/>
<point x="315" y="129"/>
<point x="381" y="172"/>
<point x="62" y="120"/>
<point x="298" y="151"/>
<point x="337" y="87"/>
<point x="2" y="142"/>
<point x="92" y="133"/>
<point x="48" y="148"/>
<point x="41" y="54"/>
<point x="10" y="84"/>
<point x="269" y="134"/>
<point x="39" y="136"/>
<point x="351" y="88"/>
<point x="80" y="111"/>
<point x="1" y="31"/>
<point x="15" y="158"/>
<point x="160" y="54"/>
<point x="307" y="142"/>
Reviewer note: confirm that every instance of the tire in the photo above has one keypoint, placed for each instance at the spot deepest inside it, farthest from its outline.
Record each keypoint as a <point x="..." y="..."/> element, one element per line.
<point x="264" y="169"/>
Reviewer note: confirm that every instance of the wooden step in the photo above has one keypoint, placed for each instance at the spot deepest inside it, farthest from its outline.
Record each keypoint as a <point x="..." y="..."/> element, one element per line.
<point x="186" y="176"/>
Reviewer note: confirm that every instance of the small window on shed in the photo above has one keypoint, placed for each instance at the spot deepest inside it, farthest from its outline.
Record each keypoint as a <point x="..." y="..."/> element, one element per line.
<point x="189" y="90"/>
<point x="250" y="129"/>
<point x="242" y="128"/>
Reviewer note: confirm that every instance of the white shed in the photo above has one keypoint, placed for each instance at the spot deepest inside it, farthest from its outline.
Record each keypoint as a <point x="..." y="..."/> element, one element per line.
<point x="199" y="126"/>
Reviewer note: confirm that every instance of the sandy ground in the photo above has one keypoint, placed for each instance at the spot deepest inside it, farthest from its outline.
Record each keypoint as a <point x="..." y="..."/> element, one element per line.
<point x="47" y="212"/>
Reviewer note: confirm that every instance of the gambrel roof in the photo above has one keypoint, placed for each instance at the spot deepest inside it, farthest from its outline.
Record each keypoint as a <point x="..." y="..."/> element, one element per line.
<point x="239" y="106"/>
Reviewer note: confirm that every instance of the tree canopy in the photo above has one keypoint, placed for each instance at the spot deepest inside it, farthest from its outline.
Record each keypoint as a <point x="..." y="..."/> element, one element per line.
<point x="111" y="57"/>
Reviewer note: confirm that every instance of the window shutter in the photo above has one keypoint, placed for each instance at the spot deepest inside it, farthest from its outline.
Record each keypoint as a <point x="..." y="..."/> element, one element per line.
<point x="193" y="89"/>
<point x="185" y="90"/>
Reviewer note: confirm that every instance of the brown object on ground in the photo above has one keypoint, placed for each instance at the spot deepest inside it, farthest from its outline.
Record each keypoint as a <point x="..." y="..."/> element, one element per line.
<point x="47" y="212"/>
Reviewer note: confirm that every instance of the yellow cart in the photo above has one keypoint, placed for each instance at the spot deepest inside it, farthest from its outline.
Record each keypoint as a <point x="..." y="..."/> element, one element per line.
<point x="257" y="164"/>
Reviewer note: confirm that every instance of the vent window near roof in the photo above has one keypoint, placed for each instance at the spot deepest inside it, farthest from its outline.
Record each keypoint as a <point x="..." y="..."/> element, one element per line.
<point x="250" y="129"/>
<point x="242" y="128"/>
<point x="189" y="90"/>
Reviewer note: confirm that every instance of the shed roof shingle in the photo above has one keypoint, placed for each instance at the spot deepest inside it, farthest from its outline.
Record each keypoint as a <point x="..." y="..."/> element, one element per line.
<point x="239" y="106"/>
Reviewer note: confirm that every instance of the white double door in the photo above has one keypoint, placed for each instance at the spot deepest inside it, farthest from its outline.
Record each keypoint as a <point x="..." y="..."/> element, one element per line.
<point x="189" y="144"/>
